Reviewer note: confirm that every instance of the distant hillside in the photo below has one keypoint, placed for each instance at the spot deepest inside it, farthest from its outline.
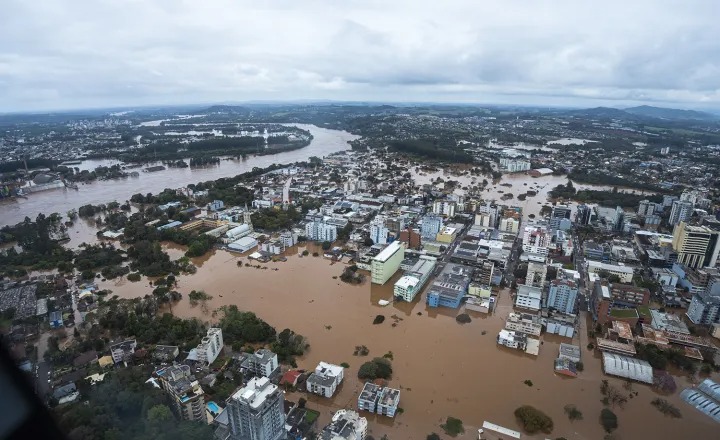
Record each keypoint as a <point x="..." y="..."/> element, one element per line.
<point x="602" y="113"/>
<point x="226" y="109"/>
<point x="669" y="113"/>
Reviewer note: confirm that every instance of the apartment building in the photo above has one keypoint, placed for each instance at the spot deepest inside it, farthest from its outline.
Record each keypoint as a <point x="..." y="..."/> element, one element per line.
<point x="256" y="412"/>
<point x="186" y="394"/>
<point x="210" y="346"/>
<point x="387" y="262"/>
<point x="325" y="379"/>
<point x="697" y="246"/>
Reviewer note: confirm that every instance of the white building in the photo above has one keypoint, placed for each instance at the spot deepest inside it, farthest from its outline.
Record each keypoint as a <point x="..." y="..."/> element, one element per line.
<point x="681" y="211"/>
<point x="536" y="273"/>
<point x="514" y="165"/>
<point x="256" y="412"/>
<point x="444" y="207"/>
<point x="210" y="346"/>
<point x="345" y="425"/>
<point x="325" y="379"/>
<point x="509" y="224"/>
<point x="536" y="240"/>
<point x="274" y="247"/>
<point x="512" y="339"/>
<point x="623" y="272"/>
<point x="288" y="239"/>
<point x="263" y="363"/>
<point x="524" y="323"/>
<point x="528" y="297"/>
<point x="320" y="231"/>
<point x="410" y="284"/>
<point x="387" y="262"/>
<point x="378" y="232"/>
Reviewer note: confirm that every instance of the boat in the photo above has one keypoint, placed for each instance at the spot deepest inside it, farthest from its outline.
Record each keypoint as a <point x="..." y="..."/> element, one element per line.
<point x="383" y="302"/>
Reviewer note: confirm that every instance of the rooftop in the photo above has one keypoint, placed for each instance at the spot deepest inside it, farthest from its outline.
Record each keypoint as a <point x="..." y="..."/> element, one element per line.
<point x="255" y="392"/>
<point x="388" y="252"/>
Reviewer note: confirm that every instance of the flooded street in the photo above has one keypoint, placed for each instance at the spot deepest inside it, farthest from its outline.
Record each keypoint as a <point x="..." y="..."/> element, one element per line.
<point x="324" y="142"/>
<point x="442" y="368"/>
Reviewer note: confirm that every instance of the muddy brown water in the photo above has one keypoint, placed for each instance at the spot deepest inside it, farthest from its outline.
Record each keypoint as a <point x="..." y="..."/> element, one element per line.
<point x="442" y="368"/>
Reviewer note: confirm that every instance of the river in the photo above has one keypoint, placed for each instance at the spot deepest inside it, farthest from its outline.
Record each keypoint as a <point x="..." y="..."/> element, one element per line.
<point x="442" y="368"/>
<point x="325" y="141"/>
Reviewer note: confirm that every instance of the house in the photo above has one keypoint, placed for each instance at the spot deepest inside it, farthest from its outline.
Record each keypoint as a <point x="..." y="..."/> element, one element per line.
<point x="512" y="339"/>
<point x="105" y="361"/>
<point x="566" y="367"/>
<point x="290" y="378"/>
<point x="66" y="393"/>
<point x="56" y="320"/>
<point x="85" y="358"/>
<point x="325" y="379"/>
<point x="123" y="351"/>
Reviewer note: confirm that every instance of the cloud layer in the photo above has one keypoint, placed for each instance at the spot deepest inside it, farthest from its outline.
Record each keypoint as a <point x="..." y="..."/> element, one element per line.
<point x="100" y="53"/>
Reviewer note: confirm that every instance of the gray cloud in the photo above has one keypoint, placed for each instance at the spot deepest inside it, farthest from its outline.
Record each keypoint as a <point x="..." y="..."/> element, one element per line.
<point x="102" y="53"/>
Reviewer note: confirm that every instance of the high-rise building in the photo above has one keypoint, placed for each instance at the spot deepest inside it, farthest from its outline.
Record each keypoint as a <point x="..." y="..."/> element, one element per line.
<point x="562" y="295"/>
<point x="386" y="263"/>
<point x="681" y="211"/>
<point x="558" y="213"/>
<point x="619" y="219"/>
<point x="583" y="215"/>
<point x="536" y="240"/>
<point x="186" y="394"/>
<point x="256" y="412"/>
<point x="320" y="231"/>
<point x="509" y="224"/>
<point x="646" y="208"/>
<point x="536" y="273"/>
<point x="697" y="246"/>
<point x="704" y="309"/>
<point x="431" y="225"/>
<point x="378" y="232"/>
<point x="444" y="207"/>
<point x="210" y="346"/>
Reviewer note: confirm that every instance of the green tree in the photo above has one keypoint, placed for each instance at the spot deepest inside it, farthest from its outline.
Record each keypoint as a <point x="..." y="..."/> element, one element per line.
<point x="159" y="414"/>
<point x="608" y="420"/>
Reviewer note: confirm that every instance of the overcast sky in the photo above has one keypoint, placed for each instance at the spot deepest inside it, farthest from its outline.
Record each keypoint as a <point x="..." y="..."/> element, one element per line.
<point x="62" y="54"/>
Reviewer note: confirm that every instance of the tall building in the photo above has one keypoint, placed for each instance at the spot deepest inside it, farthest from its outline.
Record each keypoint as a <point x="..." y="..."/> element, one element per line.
<point x="646" y="208"/>
<point x="583" y="215"/>
<point x="562" y="295"/>
<point x="509" y="224"/>
<point x="514" y="165"/>
<point x="704" y="309"/>
<point x="263" y="363"/>
<point x="558" y="213"/>
<point x="431" y="225"/>
<point x="346" y="424"/>
<point x="697" y="246"/>
<point x="485" y="274"/>
<point x="444" y="207"/>
<point x="256" y="412"/>
<point x="619" y="219"/>
<point x="186" y="394"/>
<point x="386" y="263"/>
<point x="378" y="232"/>
<point x="320" y="231"/>
<point x="536" y="240"/>
<point x="536" y="273"/>
<point x="681" y="211"/>
<point x="210" y="346"/>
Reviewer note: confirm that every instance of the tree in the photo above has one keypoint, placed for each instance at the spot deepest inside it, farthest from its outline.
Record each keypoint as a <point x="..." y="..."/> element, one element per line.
<point x="368" y="242"/>
<point x="432" y="436"/>
<point x="453" y="427"/>
<point x="608" y="420"/>
<point x="159" y="414"/>
<point x="534" y="420"/>
<point x="378" y="368"/>
<point x="326" y="245"/>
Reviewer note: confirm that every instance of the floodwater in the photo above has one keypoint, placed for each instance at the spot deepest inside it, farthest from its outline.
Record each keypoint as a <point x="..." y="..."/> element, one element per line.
<point x="519" y="183"/>
<point x="442" y="368"/>
<point x="324" y="142"/>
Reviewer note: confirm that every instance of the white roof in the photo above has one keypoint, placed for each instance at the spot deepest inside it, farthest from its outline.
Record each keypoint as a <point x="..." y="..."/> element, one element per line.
<point x="388" y="252"/>
<point x="610" y="267"/>
<point x="407" y="281"/>
<point x="627" y="367"/>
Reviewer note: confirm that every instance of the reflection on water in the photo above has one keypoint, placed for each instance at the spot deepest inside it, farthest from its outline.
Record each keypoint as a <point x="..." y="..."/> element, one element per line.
<point x="443" y="368"/>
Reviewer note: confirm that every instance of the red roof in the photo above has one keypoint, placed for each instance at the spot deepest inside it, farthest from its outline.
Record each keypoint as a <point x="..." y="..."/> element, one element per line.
<point x="290" y="377"/>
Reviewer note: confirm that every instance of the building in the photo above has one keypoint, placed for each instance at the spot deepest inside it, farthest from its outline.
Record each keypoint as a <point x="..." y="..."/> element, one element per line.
<point x="378" y="232"/>
<point x="624" y="273"/>
<point x="215" y="205"/>
<point x="431" y="225"/>
<point x="514" y="165"/>
<point x="320" y="231"/>
<point x="681" y="212"/>
<point x="583" y="215"/>
<point x="186" y="394"/>
<point x="447" y="235"/>
<point x="273" y="247"/>
<point x="697" y="246"/>
<point x="536" y="240"/>
<point x="570" y="352"/>
<point x="528" y="297"/>
<point x="444" y="207"/>
<point x="558" y="213"/>
<point x="486" y="272"/>
<point x="210" y="346"/>
<point x="704" y="309"/>
<point x="379" y="400"/>
<point x="263" y="363"/>
<point x="166" y="353"/>
<point x="450" y="286"/>
<point x="627" y="367"/>
<point x="256" y="412"/>
<point x="411" y="238"/>
<point x="617" y="301"/>
<point x="325" y="379"/>
<point x="524" y="323"/>
<point x="509" y="224"/>
<point x="288" y="239"/>
<point x="386" y="263"/>
<point x="345" y="425"/>
<point x="536" y="273"/>
<point x="412" y="282"/>
<point x="512" y="339"/>
<point x="243" y="244"/>
<point x="123" y="351"/>
<point x="646" y="208"/>
<point x="562" y="295"/>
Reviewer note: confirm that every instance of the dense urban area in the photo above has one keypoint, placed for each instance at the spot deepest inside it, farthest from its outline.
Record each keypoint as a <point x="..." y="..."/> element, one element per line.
<point x="356" y="272"/>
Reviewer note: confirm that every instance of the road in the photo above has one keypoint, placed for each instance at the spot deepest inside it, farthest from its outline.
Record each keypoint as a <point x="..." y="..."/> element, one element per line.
<point x="42" y="379"/>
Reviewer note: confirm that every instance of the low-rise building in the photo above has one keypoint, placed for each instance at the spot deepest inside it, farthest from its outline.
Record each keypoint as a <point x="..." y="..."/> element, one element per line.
<point x="524" y="323"/>
<point x="528" y="297"/>
<point x="512" y="339"/>
<point x="412" y="282"/>
<point x="345" y="425"/>
<point x="325" y="379"/>
<point x="378" y="399"/>
<point x="123" y="351"/>
<point x="450" y="286"/>
<point x="624" y="273"/>
<point x="166" y="353"/>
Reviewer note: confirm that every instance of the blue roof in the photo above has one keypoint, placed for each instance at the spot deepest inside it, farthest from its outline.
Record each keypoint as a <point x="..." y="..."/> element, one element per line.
<point x="702" y="403"/>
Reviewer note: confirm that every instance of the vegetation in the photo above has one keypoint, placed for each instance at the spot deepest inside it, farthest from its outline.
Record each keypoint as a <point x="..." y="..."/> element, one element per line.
<point x="453" y="427"/>
<point x="463" y="318"/>
<point x="534" y="420"/>
<point x="124" y="406"/>
<point x="197" y="296"/>
<point x="379" y="319"/>
<point x="244" y="327"/>
<point x="573" y="413"/>
<point x="350" y="275"/>
<point x="276" y="219"/>
<point x="613" y="396"/>
<point x="659" y="359"/>
<point x="528" y="382"/>
<point x="378" y="368"/>
<point x="39" y="241"/>
<point x="608" y="420"/>
<point x="431" y="149"/>
<point x="666" y="408"/>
